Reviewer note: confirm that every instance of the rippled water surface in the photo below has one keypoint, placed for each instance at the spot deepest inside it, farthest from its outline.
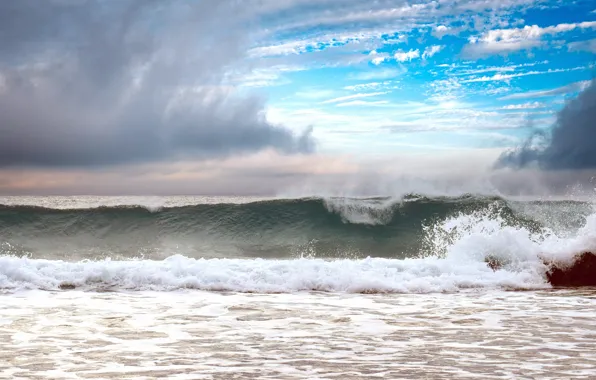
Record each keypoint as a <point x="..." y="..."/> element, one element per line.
<point x="489" y="334"/>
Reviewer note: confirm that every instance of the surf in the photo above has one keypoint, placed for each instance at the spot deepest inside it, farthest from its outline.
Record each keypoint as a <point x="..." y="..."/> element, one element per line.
<point x="454" y="245"/>
<point x="278" y="228"/>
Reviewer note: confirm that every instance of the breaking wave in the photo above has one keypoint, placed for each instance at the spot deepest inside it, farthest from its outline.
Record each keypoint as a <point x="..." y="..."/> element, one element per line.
<point x="410" y="245"/>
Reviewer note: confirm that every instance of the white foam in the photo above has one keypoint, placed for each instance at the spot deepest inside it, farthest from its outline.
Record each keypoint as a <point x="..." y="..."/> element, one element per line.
<point x="486" y="233"/>
<point x="176" y="272"/>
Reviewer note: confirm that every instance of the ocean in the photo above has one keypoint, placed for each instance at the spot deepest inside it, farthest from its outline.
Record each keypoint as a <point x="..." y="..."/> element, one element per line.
<point x="305" y="288"/>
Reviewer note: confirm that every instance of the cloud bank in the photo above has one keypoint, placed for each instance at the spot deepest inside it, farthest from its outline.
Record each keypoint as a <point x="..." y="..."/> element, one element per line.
<point x="92" y="83"/>
<point x="570" y="145"/>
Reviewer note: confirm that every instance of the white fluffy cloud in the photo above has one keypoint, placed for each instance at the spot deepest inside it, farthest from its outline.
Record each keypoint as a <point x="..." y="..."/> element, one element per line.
<point x="377" y="58"/>
<point x="406" y="56"/>
<point x="412" y="54"/>
<point x="441" y="31"/>
<point x="431" y="50"/>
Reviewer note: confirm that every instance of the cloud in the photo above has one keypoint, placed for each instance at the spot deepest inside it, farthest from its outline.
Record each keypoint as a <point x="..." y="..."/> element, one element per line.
<point x="509" y="68"/>
<point x="506" y="77"/>
<point x="569" y="88"/>
<point x="504" y="41"/>
<point x="444" y="90"/>
<point x="441" y="31"/>
<point x="259" y="173"/>
<point x="267" y="173"/>
<point x="525" y="106"/>
<point x="379" y="74"/>
<point x="363" y="103"/>
<point x="300" y="16"/>
<point x="410" y="55"/>
<point x="378" y="58"/>
<point x="351" y="97"/>
<point x="403" y="56"/>
<point x="303" y="27"/>
<point x="93" y="84"/>
<point x="570" y="145"/>
<point x="264" y="78"/>
<point x="369" y="86"/>
<point x="303" y="45"/>
<point x="588" y="45"/>
<point x="431" y="50"/>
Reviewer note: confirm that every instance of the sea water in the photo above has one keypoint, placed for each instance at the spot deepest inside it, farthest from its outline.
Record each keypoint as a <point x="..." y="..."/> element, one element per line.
<point x="211" y="288"/>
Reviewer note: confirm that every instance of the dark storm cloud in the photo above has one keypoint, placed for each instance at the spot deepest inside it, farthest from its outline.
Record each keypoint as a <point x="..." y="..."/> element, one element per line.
<point x="91" y="83"/>
<point x="570" y="145"/>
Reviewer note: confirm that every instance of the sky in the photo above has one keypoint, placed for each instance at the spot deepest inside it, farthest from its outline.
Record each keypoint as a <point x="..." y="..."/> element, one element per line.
<point x="297" y="97"/>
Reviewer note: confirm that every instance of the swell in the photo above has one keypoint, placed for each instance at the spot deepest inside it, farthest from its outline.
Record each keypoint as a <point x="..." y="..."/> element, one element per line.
<point x="332" y="213"/>
<point x="334" y="227"/>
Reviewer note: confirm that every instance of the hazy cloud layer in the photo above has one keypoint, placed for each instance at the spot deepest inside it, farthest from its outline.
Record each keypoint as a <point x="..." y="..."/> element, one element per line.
<point x="92" y="83"/>
<point x="570" y="145"/>
<point x="267" y="173"/>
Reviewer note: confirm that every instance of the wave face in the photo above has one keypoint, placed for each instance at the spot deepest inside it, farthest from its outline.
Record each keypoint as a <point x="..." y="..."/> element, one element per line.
<point x="413" y="244"/>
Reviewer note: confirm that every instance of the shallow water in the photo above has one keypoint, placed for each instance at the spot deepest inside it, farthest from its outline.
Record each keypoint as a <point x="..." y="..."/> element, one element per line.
<point x="489" y="334"/>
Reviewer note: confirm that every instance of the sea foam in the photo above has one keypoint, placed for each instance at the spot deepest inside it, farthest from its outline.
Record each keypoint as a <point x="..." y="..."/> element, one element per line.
<point x="369" y="275"/>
